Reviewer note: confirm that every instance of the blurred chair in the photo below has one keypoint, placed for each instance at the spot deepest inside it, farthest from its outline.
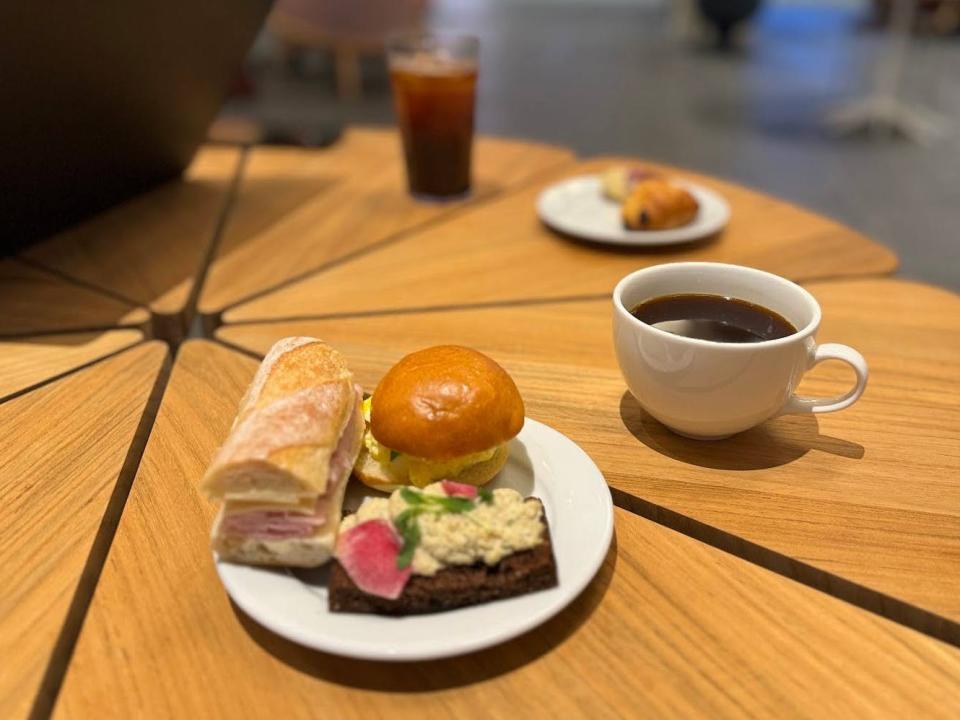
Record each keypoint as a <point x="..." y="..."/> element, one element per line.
<point x="346" y="28"/>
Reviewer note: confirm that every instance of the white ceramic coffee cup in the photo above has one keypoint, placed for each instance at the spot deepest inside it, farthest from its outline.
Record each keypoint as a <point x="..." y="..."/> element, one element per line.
<point x="710" y="390"/>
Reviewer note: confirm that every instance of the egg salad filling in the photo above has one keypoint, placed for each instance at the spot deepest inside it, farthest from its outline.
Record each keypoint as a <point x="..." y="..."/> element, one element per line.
<point x="421" y="472"/>
<point x="450" y="530"/>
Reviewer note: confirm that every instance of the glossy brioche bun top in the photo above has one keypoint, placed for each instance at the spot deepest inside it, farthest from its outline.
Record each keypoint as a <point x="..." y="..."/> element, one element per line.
<point x="444" y="402"/>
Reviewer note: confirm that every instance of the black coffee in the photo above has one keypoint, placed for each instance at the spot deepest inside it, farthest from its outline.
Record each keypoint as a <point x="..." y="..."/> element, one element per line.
<point x="713" y="317"/>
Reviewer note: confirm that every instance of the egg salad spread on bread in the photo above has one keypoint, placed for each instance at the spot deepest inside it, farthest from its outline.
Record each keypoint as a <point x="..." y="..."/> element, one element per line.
<point x="496" y="524"/>
<point x="420" y="471"/>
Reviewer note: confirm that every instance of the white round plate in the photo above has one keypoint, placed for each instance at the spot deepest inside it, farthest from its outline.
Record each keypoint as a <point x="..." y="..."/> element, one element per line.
<point x="578" y="207"/>
<point x="542" y="463"/>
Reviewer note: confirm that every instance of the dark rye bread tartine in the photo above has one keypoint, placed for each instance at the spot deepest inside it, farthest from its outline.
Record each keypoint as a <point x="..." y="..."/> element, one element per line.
<point x="523" y="572"/>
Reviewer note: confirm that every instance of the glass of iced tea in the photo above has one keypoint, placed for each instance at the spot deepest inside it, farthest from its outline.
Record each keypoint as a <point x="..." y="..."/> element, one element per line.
<point x="434" y="81"/>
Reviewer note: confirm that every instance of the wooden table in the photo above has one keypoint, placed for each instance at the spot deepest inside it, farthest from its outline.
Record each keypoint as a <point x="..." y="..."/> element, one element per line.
<point x="670" y="627"/>
<point x="296" y="212"/>
<point x="151" y="250"/>
<point x="806" y="568"/>
<point x="35" y="301"/>
<point x="499" y="252"/>
<point x="68" y="452"/>
<point x="864" y="504"/>
<point x="31" y="360"/>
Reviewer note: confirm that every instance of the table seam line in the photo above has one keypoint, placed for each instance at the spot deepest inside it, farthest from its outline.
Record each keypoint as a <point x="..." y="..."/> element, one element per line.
<point x="213" y="246"/>
<point x="140" y="327"/>
<point x="426" y="309"/>
<point x="85" y="284"/>
<point x="235" y="348"/>
<point x="59" y="660"/>
<point x="861" y="596"/>
<point x="512" y="302"/>
<point x="47" y="381"/>
<point x="392" y="238"/>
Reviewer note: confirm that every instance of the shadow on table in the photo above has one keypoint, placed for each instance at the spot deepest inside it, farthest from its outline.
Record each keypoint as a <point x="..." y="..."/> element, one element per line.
<point x="264" y="201"/>
<point x="771" y="444"/>
<point x="143" y="247"/>
<point x="432" y="675"/>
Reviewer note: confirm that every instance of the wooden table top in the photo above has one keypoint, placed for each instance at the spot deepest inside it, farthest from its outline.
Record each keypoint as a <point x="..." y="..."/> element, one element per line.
<point x="805" y="568"/>
<point x="864" y="503"/>
<point x="150" y="250"/>
<point x="487" y="254"/>
<point x="297" y="211"/>
<point x="29" y="361"/>
<point x="67" y="455"/>
<point x="35" y="301"/>
<point x="671" y="626"/>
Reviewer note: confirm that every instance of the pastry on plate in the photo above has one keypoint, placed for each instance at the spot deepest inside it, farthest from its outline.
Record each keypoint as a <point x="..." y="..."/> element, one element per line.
<point x="617" y="182"/>
<point x="446" y="412"/>
<point x="282" y="471"/>
<point x="658" y="204"/>
<point x="445" y="546"/>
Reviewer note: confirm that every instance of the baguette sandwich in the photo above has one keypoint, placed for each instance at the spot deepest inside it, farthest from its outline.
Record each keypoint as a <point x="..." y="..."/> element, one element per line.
<point x="283" y="469"/>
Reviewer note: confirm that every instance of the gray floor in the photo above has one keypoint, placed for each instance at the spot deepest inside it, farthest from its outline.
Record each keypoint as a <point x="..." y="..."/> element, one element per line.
<point x="616" y="77"/>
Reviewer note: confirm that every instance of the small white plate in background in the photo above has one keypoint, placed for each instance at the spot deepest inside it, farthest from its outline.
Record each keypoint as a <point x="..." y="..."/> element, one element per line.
<point x="578" y="207"/>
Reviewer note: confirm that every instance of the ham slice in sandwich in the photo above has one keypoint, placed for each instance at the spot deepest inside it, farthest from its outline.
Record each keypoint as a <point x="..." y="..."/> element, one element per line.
<point x="284" y="467"/>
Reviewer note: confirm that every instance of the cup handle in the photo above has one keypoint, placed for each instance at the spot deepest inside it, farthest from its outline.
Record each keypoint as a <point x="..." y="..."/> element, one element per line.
<point x="831" y="351"/>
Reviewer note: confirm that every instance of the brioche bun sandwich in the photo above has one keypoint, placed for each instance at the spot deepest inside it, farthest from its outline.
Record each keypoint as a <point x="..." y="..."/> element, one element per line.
<point x="446" y="412"/>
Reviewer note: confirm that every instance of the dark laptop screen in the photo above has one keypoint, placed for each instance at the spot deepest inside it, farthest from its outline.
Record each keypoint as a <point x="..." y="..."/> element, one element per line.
<point x="99" y="100"/>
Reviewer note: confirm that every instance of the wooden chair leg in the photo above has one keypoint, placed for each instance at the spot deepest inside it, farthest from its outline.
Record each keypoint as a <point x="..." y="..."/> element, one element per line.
<point x="347" y="67"/>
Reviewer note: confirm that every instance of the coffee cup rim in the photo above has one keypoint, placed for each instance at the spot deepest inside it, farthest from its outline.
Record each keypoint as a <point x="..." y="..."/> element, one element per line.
<point x="800" y="335"/>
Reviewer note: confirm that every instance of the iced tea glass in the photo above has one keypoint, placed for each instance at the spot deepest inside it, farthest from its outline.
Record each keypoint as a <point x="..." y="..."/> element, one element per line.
<point x="434" y="81"/>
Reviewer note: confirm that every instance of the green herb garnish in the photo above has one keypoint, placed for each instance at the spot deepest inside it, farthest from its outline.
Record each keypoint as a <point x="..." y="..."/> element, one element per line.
<point x="404" y="519"/>
<point x="485" y="495"/>
<point x="394" y="455"/>
<point x="406" y="522"/>
<point x="436" y="503"/>
<point x="411" y="497"/>
<point x="409" y="529"/>
<point x="456" y="504"/>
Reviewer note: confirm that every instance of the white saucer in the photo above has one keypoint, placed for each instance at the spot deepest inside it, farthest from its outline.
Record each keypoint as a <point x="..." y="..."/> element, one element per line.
<point x="543" y="463"/>
<point x="577" y="207"/>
